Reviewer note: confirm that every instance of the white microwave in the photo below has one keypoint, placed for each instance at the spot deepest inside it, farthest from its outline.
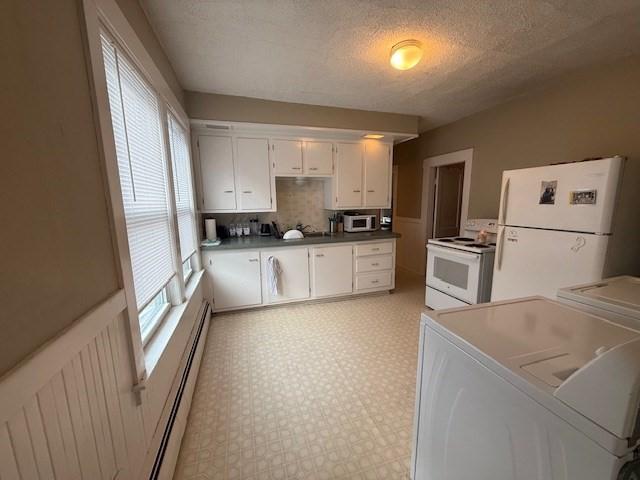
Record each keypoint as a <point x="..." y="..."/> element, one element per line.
<point x="359" y="223"/>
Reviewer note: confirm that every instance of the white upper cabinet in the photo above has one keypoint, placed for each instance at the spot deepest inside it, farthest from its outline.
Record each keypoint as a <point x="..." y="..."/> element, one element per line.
<point x="216" y="172"/>
<point x="235" y="174"/>
<point x="348" y="176"/>
<point x="318" y="158"/>
<point x="253" y="175"/>
<point x="377" y="175"/>
<point x="287" y="157"/>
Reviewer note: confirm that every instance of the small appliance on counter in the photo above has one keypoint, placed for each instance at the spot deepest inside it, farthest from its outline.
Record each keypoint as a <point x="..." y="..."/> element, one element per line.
<point x="355" y="222"/>
<point x="385" y="219"/>
<point x="265" y="230"/>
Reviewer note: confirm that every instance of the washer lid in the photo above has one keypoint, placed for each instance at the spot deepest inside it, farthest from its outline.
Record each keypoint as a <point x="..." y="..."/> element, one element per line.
<point x="583" y="367"/>
<point x="619" y="295"/>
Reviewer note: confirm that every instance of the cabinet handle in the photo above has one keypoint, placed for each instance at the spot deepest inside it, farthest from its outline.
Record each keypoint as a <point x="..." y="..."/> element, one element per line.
<point x="375" y="249"/>
<point x="375" y="281"/>
<point x="296" y="168"/>
<point x="253" y="259"/>
<point x="370" y="191"/>
<point x="247" y="191"/>
<point x="319" y="254"/>
<point x="228" y="191"/>
<point x="375" y="264"/>
<point x="356" y="191"/>
<point x="313" y="168"/>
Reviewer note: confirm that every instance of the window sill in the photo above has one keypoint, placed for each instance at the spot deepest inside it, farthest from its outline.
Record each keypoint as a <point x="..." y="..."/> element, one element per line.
<point x="161" y="338"/>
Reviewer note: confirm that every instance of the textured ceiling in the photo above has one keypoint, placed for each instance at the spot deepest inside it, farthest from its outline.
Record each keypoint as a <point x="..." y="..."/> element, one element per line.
<point x="478" y="53"/>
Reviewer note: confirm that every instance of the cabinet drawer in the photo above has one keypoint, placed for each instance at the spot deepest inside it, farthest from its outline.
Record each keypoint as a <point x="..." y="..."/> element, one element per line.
<point x="373" y="249"/>
<point x="374" y="262"/>
<point x="367" y="281"/>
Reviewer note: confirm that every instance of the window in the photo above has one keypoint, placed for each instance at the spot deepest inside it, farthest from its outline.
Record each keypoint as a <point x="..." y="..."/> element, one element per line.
<point x="141" y="125"/>
<point x="182" y="187"/>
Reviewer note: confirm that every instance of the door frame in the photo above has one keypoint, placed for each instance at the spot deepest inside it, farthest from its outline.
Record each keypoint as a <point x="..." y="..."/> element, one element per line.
<point x="429" y="166"/>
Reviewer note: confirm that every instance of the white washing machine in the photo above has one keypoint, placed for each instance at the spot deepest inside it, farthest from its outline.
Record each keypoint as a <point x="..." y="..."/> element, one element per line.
<point x="526" y="389"/>
<point x="617" y="299"/>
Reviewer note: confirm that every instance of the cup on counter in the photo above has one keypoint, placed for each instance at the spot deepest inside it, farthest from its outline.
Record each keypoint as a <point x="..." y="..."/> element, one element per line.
<point x="232" y="230"/>
<point x="246" y="230"/>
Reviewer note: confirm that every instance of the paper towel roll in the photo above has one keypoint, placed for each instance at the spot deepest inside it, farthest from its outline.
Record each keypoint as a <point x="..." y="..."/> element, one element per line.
<point x="210" y="229"/>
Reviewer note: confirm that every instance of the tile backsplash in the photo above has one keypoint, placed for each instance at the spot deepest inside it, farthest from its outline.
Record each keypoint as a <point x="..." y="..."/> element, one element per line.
<point x="299" y="200"/>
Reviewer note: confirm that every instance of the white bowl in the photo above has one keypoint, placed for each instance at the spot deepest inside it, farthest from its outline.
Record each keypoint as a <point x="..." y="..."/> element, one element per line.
<point x="292" y="235"/>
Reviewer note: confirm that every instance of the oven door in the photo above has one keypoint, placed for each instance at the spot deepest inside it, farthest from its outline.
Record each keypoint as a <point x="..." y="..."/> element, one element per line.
<point x="454" y="272"/>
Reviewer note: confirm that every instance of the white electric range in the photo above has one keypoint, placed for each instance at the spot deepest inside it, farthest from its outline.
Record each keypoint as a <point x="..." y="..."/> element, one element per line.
<point x="460" y="269"/>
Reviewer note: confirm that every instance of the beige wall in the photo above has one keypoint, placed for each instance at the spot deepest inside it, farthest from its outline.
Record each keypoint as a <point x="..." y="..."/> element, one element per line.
<point x="207" y="106"/>
<point x="592" y="112"/>
<point x="57" y="255"/>
<point x="139" y="22"/>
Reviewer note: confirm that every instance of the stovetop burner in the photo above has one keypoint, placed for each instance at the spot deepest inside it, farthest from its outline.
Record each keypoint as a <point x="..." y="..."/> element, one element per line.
<point x="463" y="239"/>
<point x="448" y="240"/>
<point x="477" y="245"/>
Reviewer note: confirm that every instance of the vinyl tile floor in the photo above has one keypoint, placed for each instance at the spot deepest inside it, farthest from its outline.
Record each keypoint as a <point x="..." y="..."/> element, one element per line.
<point x="314" y="391"/>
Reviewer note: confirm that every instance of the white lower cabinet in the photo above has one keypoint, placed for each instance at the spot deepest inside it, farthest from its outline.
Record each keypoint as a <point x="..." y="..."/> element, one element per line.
<point x="294" y="274"/>
<point x="374" y="267"/>
<point x="331" y="270"/>
<point x="240" y="278"/>
<point x="235" y="278"/>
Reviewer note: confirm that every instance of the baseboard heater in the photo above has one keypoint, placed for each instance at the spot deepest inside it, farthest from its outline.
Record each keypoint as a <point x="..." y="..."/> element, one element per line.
<point x="157" y="464"/>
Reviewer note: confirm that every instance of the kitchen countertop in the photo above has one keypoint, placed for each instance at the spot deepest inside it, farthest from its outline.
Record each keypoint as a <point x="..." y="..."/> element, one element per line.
<point x="236" y="243"/>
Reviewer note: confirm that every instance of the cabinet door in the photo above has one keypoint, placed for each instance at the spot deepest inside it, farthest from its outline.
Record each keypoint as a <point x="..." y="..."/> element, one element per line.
<point x="377" y="171"/>
<point x="287" y="156"/>
<point x="253" y="174"/>
<point x="332" y="270"/>
<point x="294" y="274"/>
<point x="235" y="278"/>
<point x="348" y="179"/>
<point x="318" y="158"/>
<point x="216" y="171"/>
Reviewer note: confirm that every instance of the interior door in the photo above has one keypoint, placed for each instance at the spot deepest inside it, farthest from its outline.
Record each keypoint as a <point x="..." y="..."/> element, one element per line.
<point x="216" y="172"/>
<point x="236" y="279"/>
<point x="448" y="200"/>
<point x="318" y="158"/>
<point x="332" y="270"/>
<point x="287" y="155"/>
<point x="533" y="261"/>
<point x="294" y="274"/>
<point x="349" y="175"/>
<point x="254" y="177"/>
<point x="377" y="171"/>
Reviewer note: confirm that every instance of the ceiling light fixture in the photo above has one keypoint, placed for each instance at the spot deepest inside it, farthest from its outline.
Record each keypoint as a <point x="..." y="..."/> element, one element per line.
<point x="406" y="54"/>
<point x="374" y="136"/>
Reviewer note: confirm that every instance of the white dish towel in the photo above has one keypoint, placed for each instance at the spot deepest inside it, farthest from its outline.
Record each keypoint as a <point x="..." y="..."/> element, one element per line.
<point x="273" y="276"/>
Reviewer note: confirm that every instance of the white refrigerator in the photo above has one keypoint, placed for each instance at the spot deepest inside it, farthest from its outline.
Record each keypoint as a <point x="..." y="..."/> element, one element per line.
<point x="555" y="227"/>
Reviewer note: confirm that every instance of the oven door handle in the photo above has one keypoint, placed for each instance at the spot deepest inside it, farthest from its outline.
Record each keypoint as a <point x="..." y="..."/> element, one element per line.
<point x="452" y="252"/>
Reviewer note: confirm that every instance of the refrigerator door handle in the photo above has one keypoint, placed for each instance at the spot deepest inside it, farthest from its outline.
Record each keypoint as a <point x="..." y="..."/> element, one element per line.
<point x="499" y="249"/>
<point x="505" y="198"/>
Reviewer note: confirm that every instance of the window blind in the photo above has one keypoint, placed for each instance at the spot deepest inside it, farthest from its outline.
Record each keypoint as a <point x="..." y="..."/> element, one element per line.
<point x="135" y="114"/>
<point x="182" y="184"/>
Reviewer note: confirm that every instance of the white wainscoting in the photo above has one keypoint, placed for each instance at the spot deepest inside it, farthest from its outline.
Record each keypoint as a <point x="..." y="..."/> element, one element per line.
<point x="69" y="412"/>
<point x="410" y="247"/>
<point x="83" y="421"/>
